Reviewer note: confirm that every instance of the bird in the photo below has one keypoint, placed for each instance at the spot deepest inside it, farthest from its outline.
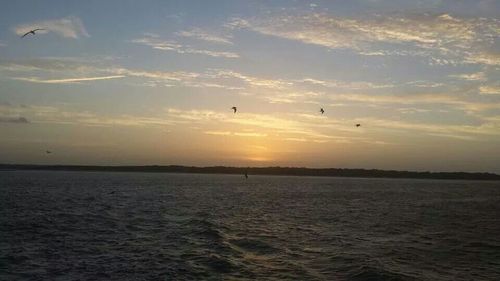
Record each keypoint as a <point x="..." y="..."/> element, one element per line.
<point x="358" y="125"/>
<point x="234" y="108"/>
<point x="322" y="111"/>
<point x="246" y="174"/>
<point x="32" y="32"/>
<point x="48" y="151"/>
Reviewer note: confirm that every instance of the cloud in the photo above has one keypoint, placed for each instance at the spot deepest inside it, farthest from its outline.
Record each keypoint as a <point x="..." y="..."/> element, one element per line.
<point x="16" y="120"/>
<point x="68" y="27"/>
<point x="294" y="96"/>
<point x="162" y="75"/>
<point x="465" y="132"/>
<point x="250" y="134"/>
<point x="450" y="99"/>
<point x="489" y="90"/>
<point x="478" y="76"/>
<point x="289" y="127"/>
<point x="210" y="53"/>
<point x="200" y="34"/>
<point x="297" y="139"/>
<point x="67" y="80"/>
<point x="286" y="126"/>
<point x="425" y="84"/>
<point x="166" y="45"/>
<point x="251" y="80"/>
<point x="218" y="133"/>
<point x="270" y="89"/>
<point x="355" y="85"/>
<point x="444" y="35"/>
<point x="238" y="134"/>
<point x="93" y="70"/>
<point x="63" y="115"/>
<point x="487" y="58"/>
<point x="336" y="32"/>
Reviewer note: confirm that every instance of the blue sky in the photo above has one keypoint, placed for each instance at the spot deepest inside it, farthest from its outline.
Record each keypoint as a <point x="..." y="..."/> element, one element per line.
<point x="153" y="82"/>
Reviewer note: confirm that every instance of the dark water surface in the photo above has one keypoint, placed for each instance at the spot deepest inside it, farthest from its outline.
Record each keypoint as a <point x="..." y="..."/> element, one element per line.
<point x="145" y="226"/>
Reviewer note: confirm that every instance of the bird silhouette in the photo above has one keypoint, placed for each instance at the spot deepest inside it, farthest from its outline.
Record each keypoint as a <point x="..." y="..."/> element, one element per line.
<point x="31" y="32"/>
<point x="322" y="111"/>
<point x="234" y="108"/>
<point x="358" y="125"/>
<point x="48" y="151"/>
<point x="246" y="174"/>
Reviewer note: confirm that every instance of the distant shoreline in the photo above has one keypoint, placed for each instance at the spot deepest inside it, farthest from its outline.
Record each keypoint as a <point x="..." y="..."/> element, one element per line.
<point x="278" y="171"/>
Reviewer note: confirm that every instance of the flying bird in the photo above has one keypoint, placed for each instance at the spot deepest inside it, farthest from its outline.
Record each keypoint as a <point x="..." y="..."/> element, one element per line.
<point x="48" y="151"/>
<point x="358" y="125"/>
<point x="322" y="111"/>
<point x="234" y="108"/>
<point x="32" y="32"/>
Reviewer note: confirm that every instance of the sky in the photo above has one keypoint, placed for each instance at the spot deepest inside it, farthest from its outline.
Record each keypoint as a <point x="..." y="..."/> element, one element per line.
<point x="153" y="82"/>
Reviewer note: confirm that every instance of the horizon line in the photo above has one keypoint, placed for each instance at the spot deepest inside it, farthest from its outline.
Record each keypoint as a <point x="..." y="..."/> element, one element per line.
<point x="269" y="170"/>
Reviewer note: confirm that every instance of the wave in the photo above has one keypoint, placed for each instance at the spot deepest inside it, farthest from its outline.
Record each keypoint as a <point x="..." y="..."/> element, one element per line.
<point x="368" y="273"/>
<point x="254" y="246"/>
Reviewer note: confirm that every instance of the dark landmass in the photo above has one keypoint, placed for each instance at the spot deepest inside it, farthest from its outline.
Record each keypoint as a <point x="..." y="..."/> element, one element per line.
<point x="286" y="171"/>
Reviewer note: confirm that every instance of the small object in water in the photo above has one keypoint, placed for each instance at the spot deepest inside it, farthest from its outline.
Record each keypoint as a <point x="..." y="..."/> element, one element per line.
<point x="358" y="125"/>
<point x="322" y="111"/>
<point x="234" y="108"/>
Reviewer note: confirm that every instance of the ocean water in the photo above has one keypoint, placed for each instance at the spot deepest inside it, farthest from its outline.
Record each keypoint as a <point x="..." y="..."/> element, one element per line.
<point x="147" y="226"/>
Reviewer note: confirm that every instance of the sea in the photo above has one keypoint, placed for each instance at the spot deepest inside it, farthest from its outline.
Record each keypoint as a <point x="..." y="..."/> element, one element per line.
<point x="158" y="226"/>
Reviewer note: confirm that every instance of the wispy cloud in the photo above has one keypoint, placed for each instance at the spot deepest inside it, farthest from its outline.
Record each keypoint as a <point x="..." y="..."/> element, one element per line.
<point x="170" y="45"/>
<point x="442" y="34"/>
<point x="265" y="125"/>
<point x="477" y="76"/>
<point x="450" y="99"/>
<point x="69" y="27"/>
<point x="425" y="84"/>
<point x="201" y="34"/>
<point x="294" y="96"/>
<point x="238" y="134"/>
<point x="271" y="89"/>
<point x="355" y="85"/>
<point x="250" y="134"/>
<point x="465" y="132"/>
<point x="218" y="133"/>
<point x="63" y="115"/>
<point x="487" y="58"/>
<point x="67" y="80"/>
<point x="489" y="90"/>
<point x="251" y="80"/>
<point x="289" y="127"/>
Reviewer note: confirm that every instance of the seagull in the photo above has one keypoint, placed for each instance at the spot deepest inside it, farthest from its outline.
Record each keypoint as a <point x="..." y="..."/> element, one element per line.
<point x="32" y="32"/>
<point x="234" y="108"/>
<point x="322" y="111"/>
<point x="358" y="125"/>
